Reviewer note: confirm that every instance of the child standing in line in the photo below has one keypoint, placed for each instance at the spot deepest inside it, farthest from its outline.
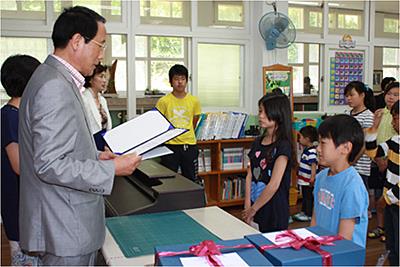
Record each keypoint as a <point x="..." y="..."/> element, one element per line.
<point x="268" y="178"/>
<point x="15" y="74"/>
<point x="341" y="200"/>
<point x="390" y="150"/>
<point x="308" y="138"/>
<point x="362" y="101"/>
<point x="384" y="132"/>
<point x="182" y="110"/>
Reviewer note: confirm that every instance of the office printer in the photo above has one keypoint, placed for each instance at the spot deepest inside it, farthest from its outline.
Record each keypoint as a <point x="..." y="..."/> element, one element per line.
<point x="143" y="192"/>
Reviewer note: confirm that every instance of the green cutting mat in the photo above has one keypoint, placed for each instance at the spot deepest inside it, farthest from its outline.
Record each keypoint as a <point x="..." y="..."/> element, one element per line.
<point x="137" y="235"/>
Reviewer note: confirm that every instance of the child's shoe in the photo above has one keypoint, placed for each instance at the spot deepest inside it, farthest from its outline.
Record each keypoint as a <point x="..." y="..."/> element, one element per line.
<point x="290" y="219"/>
<point x="301" y="217"/>
<point x="376" y="233"/>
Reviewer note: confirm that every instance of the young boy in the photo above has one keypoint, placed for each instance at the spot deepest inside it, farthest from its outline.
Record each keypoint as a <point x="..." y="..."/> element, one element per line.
<point x="341" y="199"/>
<point x="308" y="137"/>
<point x="389" y="150"/>
<point x="182" y="110"/>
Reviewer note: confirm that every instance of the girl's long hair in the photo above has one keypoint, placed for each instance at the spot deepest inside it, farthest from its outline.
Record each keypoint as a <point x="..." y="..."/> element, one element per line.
<point x="277" y="109"/>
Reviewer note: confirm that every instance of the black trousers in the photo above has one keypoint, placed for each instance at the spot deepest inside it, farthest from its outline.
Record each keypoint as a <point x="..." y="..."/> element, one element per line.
<point x="308" y="199"/>
<point x="392" y="233"/>
<point x="184" y="156"/>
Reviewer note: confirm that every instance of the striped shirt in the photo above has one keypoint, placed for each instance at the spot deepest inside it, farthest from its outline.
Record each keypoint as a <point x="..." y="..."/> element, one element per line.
<point x="389" y="149"/>
<point x="366" y="119"/>
<point x="308" y="157"/>
<point x="78" y="78"/>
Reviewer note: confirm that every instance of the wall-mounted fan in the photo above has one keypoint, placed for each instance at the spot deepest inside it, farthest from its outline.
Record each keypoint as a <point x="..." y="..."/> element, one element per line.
<point x="277" y="30"/>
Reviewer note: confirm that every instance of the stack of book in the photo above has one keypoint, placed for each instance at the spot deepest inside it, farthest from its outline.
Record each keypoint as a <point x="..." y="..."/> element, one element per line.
<point x="234" y="158"/>
<point x="204" y="159"/>
<point x="221" y="125"/>
<point x="233" y="188"/>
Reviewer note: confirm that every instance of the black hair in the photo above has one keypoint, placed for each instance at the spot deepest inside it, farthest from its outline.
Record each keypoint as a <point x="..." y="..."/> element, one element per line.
<point x="309" y="132"/>
<point x="99" y="69"/>
<point x="391" y="86"/>
<point x="16" y="72"/>
<point x="361" y="88"/>
<point x="277" y="91"/>
<point x="386" y="81"/>
<point x="178" y="69"/>
<point x="395" y="108"/>
<point x="277" y="109"/>
<point x="341" y="129"/>
<point x="77" y="19"/>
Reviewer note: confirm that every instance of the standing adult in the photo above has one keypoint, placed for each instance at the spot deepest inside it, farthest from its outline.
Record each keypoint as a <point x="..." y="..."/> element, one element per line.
<point x="96" y="105"/>
<point x="63" y="176"/>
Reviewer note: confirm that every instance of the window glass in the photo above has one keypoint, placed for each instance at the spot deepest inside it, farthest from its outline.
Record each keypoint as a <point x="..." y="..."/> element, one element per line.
<point x="118" y="45"/>
<point x="15" y="45"/>
<point x="391" y="72"/>
<point x="297" y="17"/>
<point x="167" y="47"/>
<point x="155" y="55"/>
<point x="314" y="53"/>
<point x="348" y="22"/>
<point x="116" y="52"/>
<point x="390" y="25"/>
<point x="391" y="56"/>
<point x="296" y="53"/>
<point x="220" y="14"/>
<point x="298" y="74"/>
<point x="219" y="75"/>
<point x="165" y="12"/>
<point x="23" y="10"/>
<point x="314" y="78"/>
<point x="111" y="10"/>
<point x="346" y="17"/>
<point x="315" y="19"/>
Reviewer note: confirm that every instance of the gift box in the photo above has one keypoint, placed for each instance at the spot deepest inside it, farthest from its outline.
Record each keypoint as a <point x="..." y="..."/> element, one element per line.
<point x="296" y="247"/>
<point x="167" y="255"/>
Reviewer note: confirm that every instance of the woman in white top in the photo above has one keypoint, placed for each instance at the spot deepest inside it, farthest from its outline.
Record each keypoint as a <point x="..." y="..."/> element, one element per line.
<point x="96" y="105"/>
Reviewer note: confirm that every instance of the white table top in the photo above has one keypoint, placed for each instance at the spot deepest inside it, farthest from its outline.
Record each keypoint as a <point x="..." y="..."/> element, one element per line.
<point x="214" y="219"/>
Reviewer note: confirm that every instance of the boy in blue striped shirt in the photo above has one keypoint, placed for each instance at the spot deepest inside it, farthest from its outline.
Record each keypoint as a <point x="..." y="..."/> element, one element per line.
<point x="308" y="138"/>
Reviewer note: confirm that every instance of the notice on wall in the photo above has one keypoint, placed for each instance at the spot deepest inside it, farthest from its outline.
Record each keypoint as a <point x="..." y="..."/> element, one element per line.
<point x="344" y="68"/>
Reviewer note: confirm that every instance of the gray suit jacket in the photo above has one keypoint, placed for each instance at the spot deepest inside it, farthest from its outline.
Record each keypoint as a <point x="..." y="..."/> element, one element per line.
<point x="62" y="180"/>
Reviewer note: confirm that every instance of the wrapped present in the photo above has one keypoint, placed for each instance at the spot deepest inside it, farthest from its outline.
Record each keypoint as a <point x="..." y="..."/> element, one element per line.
<point x="312" y="246"/>
<point x="237" y="252"/>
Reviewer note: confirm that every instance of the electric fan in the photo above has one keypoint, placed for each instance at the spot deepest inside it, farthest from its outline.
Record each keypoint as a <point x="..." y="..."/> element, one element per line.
<point x="277" y="30"/>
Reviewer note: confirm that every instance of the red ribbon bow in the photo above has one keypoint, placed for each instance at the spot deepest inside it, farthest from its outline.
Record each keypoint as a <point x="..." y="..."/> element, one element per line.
<point x="207" y="248"/>
<point x="310" y="243"/>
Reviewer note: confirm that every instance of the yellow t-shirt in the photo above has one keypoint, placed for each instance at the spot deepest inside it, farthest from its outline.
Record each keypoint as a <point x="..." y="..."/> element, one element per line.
<point x="385" y="129"/>
<point x="180" y="112"/>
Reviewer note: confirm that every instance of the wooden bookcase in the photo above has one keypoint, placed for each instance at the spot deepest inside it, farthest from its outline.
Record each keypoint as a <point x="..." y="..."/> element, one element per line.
<point x="214" y="179"/>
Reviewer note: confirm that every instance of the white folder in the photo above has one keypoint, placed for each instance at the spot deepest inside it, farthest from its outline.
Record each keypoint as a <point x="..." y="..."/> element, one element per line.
<point x="142" y="133"/>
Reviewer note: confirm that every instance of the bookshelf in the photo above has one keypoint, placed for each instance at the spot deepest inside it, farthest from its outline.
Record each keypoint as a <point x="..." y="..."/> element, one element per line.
<point x="221" y="164"/>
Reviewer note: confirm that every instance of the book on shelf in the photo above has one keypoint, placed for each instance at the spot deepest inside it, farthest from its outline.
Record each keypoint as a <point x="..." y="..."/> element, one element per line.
<point x="233" y="188"/>
<point x="204" y="159"/>
<point x="221" y="125"/>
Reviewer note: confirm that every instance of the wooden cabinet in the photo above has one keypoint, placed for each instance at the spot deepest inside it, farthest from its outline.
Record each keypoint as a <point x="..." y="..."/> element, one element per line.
<point x="218" y="174"/>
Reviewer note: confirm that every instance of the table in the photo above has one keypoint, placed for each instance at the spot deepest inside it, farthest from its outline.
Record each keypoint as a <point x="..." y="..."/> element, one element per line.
<point x="216" y="220"/>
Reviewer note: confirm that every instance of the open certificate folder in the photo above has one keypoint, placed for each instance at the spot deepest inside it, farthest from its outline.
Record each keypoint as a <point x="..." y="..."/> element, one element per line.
<point x="142" y="133"/>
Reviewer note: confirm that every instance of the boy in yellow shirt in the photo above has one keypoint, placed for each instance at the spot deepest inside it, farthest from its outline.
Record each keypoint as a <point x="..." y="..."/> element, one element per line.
<point x="182" y="110"/>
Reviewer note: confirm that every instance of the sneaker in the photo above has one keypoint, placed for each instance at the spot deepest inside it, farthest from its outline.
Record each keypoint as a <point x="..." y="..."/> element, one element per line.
<point x="290" y="219"/>
<point x="297" y="215"/>
<point x="376" y="233"/>
<point x="303" y="218"/>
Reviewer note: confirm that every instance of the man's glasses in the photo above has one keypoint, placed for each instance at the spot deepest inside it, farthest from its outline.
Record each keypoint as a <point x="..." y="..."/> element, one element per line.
<point x="102" y="46"/>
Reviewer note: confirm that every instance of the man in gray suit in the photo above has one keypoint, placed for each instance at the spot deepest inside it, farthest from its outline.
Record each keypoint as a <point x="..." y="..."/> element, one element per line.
<point x="63" y="176"/>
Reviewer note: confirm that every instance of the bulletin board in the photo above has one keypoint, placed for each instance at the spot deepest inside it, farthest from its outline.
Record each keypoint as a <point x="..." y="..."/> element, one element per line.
<point x="278" y="76"/>
<point x="345" y="66"/>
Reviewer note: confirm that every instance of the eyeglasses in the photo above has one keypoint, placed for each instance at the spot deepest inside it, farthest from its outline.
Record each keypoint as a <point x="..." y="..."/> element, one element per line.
<point x="102" y="46"/>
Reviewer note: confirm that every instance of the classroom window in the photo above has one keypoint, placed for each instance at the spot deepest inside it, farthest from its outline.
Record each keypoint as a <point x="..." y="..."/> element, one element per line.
<point x="24" y="10"/>
<point x="219" y="77"/>
<point x="306" y="15"/>
<point x="304" y="58"/>
<point x="165" y="12"/>
<point x="111" y="10"/>
<point x="116" y="52"/>
<point x="346" y="17"/>
<point x="221" y="14"/>
<point x="387" y="19"/>
<point x="391" y="25"/>
<point x="15" y="45"/>
<point x="155" y="55"/>
<point x="390" y="62"/>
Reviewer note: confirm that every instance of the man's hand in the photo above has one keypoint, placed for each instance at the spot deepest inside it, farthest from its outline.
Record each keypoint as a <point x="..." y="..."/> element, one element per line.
<point x="107" y="155"/>
<point x="126" y="164"/>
